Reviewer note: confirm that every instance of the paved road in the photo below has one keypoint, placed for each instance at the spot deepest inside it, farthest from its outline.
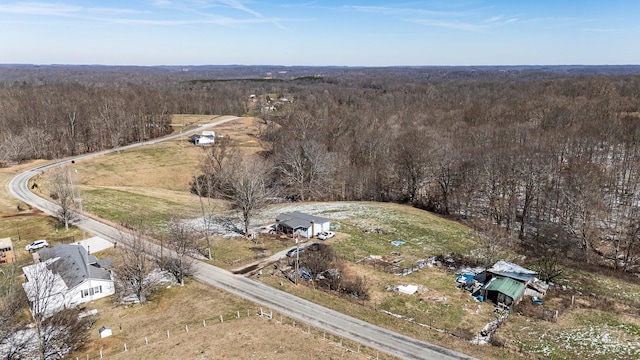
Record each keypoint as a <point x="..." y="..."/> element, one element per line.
<point x="280" y="301"/>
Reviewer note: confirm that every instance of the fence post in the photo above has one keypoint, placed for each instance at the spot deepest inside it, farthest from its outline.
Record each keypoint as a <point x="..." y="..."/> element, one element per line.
<point x="146" y="340"/>
<point x="125" y="347"/>
<point x="204" y="323"/>
<point x="167" y="334"/>
<point x="221" y="320"/>
<point x="186" y="328"/>
<point x="100" y="353"/>
<point x="238" y="315"/>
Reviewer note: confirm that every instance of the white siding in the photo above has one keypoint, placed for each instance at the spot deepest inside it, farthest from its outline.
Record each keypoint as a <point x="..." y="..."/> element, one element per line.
<point x="82" y="293"/>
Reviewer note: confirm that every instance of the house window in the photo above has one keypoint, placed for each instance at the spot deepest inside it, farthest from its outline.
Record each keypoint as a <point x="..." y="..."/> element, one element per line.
<point x="97" y="289"/>
<point x="84" y="293"/>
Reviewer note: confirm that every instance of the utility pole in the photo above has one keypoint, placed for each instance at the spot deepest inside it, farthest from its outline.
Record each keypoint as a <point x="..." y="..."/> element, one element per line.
<point x="297" y="274"/>
<point x="84" y="234"/>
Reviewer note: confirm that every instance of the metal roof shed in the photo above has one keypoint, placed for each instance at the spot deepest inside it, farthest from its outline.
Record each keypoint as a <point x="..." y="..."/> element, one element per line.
<point x="503" y="290"/>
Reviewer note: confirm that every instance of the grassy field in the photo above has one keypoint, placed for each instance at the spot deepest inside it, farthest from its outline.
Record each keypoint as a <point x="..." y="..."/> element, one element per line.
<point x="191" y="317"/>
<point x="154" y="181"/>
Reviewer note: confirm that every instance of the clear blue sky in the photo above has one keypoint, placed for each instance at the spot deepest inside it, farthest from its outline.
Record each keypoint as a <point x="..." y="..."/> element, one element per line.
<point x="354" y="33"/>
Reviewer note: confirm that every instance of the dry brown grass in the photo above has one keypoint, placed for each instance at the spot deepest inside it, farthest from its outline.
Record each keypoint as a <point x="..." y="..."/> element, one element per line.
<point x="249" y="336"/>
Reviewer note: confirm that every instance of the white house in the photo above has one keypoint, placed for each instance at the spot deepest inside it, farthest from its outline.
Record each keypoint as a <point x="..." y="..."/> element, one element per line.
<point x="302" y="224"/>
<point x="207" y="138"/>
<point x="66" y="277"/>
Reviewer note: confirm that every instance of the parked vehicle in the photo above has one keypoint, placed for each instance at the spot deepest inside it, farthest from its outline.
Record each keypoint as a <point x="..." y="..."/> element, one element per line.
<point x="293" y="252"/>
<point x="268" y="229"/>
<point x="38" y="244"/>
<point x="193" y="138"/>
<point x="326" y="235"/>
<point x="313" y="247"/>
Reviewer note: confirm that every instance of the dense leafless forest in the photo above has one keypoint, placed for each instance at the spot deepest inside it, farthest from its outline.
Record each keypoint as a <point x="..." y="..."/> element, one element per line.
<point x="543" y="159"/>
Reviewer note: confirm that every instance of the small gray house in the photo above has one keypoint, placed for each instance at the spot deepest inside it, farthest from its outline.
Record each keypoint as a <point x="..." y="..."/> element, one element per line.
<point x="302" y="224"/>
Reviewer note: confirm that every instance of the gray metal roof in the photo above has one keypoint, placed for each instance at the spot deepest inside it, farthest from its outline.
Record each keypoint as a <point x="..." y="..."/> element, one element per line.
<point x="511" y="270"/>
<point x="296" y="220"/>
<point x="74" y="264"/>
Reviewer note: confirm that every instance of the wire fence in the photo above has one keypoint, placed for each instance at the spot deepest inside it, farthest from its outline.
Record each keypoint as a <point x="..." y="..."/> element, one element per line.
<point x="193" y="328"/>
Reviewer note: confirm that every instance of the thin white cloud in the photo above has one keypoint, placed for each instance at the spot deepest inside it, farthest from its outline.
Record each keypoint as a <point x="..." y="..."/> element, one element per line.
<point x="161" y="3"/>
<point x="216" y="20"/>
<point x="389" y="10"/>
<point x="603" y="30"/>
<point x="238" y="5"/>
<point x="466" y="26"/>
<point x="201" y="9"/>
<point x="493" y="19"/>
<point x="465" y="20"/>
<point x="39" y="8"/>
<point x="58" y="9"/>
<point x="450" y="24"/>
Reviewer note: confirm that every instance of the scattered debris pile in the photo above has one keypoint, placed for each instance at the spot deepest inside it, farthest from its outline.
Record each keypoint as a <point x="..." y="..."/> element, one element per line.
<point x="484" y="336"/>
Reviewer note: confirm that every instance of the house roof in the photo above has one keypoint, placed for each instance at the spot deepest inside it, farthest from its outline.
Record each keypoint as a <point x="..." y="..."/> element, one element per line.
<point x="74" y="264"/>
<point x="5" y="243"/>
<point x="296" y="220"/>
<point x="512" y="288"/>
<point x="511" y="270"/>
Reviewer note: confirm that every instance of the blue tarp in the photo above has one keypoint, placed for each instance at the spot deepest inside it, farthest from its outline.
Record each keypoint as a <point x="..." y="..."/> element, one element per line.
<point x="398" y="243"/>
<point x="465" y="278"/>
<point x="537" y="300"/>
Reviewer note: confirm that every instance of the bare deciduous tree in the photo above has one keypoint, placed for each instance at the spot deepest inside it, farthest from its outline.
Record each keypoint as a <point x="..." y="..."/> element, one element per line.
<point x="132" y="273"/>
<point x="207" y="184"/>
<point x="183" y="244"/>
<point x="63" y="194"/>
<point x="247" y="188"/>
<point x="12" y="302"/>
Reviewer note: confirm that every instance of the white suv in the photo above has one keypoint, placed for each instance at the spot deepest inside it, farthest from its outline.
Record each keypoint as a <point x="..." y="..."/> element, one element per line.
<point x="326" y="235"/>
<point x="38" y="244"/>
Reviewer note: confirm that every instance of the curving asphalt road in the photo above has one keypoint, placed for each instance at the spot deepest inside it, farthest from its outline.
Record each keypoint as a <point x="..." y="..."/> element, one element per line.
<point x="302" y="310"/>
